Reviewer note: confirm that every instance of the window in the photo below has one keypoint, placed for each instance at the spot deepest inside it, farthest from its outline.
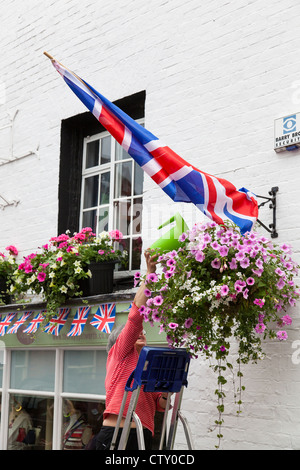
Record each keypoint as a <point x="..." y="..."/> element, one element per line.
<point x="52" y="399"/>
<point x="99" y="184"/>
<point x="112" y="193"/>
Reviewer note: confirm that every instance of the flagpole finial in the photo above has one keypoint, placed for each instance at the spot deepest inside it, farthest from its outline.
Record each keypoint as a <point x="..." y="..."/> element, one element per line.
<point x="48" y="55"/>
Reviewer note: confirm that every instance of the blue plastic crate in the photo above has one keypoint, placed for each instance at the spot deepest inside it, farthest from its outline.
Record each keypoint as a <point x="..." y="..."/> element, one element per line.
<point x="160" y="370"/>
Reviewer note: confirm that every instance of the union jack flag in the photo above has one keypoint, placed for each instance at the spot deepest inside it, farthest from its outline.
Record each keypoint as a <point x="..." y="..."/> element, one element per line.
<point x="79" y="321"/>
<point x="57" y="322"/>
<point x="4" y="324"/>
<point x="104" y="318"/>
<point x="35" y="323"/>
<point x="216" y="197"/>
<point x="19" y="322"/>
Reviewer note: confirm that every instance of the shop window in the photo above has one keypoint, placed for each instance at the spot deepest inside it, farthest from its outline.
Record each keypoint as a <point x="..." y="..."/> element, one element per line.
<point x="84" y="371"/>
<point x="30" y="424"/>
<point x="82" y="421"/>
<point x="33" y="370"/>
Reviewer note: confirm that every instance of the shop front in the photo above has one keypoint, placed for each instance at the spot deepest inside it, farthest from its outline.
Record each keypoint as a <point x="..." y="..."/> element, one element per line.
<point x="52" y="382"/>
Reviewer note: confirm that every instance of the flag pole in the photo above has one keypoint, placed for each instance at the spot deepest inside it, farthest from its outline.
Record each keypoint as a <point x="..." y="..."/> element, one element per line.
<point x="49" y="56"/>
<point x="54" y="60"/>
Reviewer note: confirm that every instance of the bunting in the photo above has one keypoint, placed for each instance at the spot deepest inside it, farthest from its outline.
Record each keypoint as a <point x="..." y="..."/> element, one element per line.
<point x="57" y="322"/>
<point x="35" y="323"/>
<point x="104" y="318"/>
<point x="79" y="321"/>
<point x="19" y="322"/>
<point x="5" y="323"/>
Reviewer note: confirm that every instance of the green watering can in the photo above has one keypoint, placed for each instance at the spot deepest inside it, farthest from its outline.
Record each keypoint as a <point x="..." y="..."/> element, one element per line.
<point x="169" y="241"/>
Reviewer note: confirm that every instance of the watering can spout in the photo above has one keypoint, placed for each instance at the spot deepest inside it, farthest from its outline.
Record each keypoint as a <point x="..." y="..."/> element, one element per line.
<point x="170" y="240"/>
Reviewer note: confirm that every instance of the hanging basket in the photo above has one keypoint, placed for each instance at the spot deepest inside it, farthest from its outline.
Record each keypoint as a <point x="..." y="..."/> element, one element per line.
<point x="5" y="298"/>
<point x="101" y="281"/>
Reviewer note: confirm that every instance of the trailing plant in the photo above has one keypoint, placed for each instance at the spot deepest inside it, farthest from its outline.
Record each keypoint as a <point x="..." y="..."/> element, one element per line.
<point x="56" y="270"/>
<point x="220" y="286"/>
<point x="8" y="265"/>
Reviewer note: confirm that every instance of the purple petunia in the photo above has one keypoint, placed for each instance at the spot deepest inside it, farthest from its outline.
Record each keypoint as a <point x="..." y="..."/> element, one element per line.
<point x="224" y="290"/>
<point x="158" y="300"/>
<point x="188" y="322"/>
<point x="216" y="263"/>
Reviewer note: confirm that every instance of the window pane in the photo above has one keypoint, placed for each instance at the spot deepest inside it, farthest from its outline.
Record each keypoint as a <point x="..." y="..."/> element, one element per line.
<point x="122" y="216"/>
<point x="123" y="177"/>
<point x="30" y="423"/>
<point x="124" y="245"/>
<point x="82" y="420"/>
<point x="89" y="219"/>
<point x="136" y="252"/>
<point x="121" y="154"/>
<point x="137" y="215"/>
<point x="33" y="370"/>
<point x="138" y="179"/>
<point x="103" y="219"/>
<point x="104" y="188"/>
<point x="84" y="372"/>
<point x="105" y="150"/>
<point x="92" y="154"/>
<point x="90" y="191"/>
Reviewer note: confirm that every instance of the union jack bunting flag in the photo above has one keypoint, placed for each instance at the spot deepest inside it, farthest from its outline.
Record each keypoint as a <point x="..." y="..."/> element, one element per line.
<point x="216" y="197"/>
<point x="5" y="323"/>
<point x="19" y="322"/>
<point x="104" y="318"/>
<point x="79" y="321"/>
<point x="35" y="323"/>
<point x="57" y="322"/>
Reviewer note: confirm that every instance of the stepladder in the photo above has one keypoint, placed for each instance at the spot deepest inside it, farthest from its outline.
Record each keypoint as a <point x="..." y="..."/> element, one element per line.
<point x="158" y="370"/>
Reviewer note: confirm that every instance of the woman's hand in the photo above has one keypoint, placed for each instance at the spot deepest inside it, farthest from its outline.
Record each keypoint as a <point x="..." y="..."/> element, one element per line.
<point x="151" y="261"/>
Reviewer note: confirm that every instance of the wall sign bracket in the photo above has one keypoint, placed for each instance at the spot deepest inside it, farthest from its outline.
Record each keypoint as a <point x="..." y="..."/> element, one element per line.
<point x="272" y="205"/>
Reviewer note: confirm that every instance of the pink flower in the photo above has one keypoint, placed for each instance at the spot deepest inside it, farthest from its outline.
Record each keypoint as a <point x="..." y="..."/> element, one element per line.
<point x="101" y="252"/>
<point x="199" y="256"/>
<point x="147" y="292"/>
<point x="216" y="263"/>
<point x="280" y="284"/>
<point x="116" y="235"/>
<point x="152" y="277"/>
<point x="259" y="302"/>
<point x="224" y="290"/>
<point x="223" y="250"/>
<point x="244" y="263"/>
<point x="222" y="348"/>
<point x="282" y="335"/>
<point x="173" y="326"/>
<point x="233" y="264"/>
<point x="12" y="249"/>
<point x="260" y="328"/>
<point x="41" y="277"/>
<point x="286" y="320"/>
<point x="188" y="322"/>
<point x="158" y="300"/>
<point x="171" y="262"/>
<point x="215" y="245"/>
<point x="245" y="293"/>
<point x="250" y="281"/>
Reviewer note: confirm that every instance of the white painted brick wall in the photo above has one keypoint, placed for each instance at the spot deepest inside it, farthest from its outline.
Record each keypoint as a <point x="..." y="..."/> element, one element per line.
<point x="216" y="75"/>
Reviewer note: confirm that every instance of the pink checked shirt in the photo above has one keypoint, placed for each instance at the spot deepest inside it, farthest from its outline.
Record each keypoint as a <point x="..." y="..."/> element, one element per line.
<point x="122" y="360"/>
